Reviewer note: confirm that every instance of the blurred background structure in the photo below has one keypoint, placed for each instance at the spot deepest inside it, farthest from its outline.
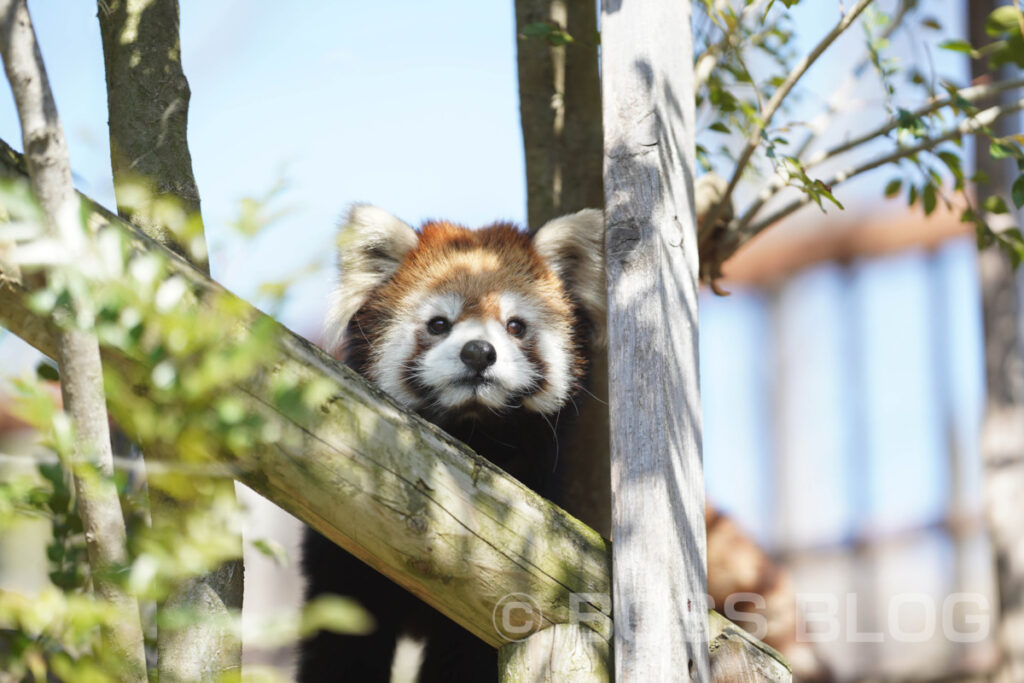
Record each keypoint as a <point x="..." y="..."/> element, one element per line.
<point x="843" y="379"/>
<point x="842" y="389"/>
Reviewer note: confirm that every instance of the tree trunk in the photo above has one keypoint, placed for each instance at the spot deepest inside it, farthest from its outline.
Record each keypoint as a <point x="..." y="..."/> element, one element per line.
<point x="1002" y="432"/>
<point x="560" y="112"/>
<point x="659" y="575"/>
<point x="147" y="103"/>
<point x="560" y="109"/>
<point x="78" y="355"/>
<point x="147" y="100"/>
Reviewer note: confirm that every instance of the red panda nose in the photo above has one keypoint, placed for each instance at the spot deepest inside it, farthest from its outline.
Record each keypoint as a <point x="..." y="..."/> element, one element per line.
<point x="478" y="355"/>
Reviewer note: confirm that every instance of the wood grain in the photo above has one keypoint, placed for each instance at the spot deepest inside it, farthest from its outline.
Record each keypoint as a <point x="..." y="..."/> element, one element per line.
<point x="659" y="570"/>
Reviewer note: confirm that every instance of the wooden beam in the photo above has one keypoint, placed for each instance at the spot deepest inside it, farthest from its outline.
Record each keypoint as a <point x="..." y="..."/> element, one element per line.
<point x="737" y="657"/>
<point x="659" y="582"/>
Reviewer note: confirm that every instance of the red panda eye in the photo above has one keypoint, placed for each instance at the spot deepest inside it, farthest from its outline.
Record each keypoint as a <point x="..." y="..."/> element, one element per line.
<point x="439" y="325"/>
<point x="516" y="327"/>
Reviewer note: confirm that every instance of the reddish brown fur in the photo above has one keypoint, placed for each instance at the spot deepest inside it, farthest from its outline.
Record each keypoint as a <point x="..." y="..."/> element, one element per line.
<point x="479" y="265"/>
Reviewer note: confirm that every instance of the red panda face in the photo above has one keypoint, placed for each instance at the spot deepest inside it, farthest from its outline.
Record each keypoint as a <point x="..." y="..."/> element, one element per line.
<point x="456" y="322"/>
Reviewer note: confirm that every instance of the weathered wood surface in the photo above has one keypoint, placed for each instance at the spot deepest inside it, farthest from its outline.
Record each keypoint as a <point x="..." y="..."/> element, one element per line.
<point x="563" y="653"/>
<point x="657" y="478"/>
<point x="737" y="657"/>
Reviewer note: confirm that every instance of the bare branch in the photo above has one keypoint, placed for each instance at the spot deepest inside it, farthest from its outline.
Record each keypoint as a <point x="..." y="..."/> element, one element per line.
<point x="46" y="156"/>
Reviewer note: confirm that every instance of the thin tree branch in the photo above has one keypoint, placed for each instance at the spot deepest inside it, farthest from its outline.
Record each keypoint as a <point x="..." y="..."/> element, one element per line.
<point x="851" y="80"/>
<point x="46" y="156"/>
<point x="967" y="126"/>
<point x="970" y="94"/>
<point x="773" y="106"/>
<point x="708" y="60"/>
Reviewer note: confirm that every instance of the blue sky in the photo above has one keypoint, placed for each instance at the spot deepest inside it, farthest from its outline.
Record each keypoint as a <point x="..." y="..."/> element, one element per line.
<point x="409" y="105"/>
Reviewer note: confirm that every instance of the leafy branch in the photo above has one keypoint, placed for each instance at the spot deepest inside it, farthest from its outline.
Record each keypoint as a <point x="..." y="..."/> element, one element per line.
<point x="770" y="109"/>
<point x="918" y="131"/>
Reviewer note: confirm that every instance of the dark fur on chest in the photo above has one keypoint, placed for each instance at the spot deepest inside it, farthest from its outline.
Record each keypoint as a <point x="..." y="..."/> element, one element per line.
<point x="523" y="444"/>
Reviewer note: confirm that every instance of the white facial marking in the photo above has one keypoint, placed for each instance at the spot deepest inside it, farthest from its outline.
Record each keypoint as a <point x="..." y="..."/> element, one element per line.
<point x="553" y="346"/>
<point x="442" y="367"/>
<point x="398" y="343"/>
<point x="454" y="384"/>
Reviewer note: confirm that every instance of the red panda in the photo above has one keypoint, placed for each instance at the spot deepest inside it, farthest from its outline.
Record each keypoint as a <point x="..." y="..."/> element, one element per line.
<point x="484" y="332"/>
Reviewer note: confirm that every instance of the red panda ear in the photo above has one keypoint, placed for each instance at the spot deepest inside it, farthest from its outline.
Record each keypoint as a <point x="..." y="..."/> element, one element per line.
<point x="371" y="245"/>
<point x="573" y="246"/>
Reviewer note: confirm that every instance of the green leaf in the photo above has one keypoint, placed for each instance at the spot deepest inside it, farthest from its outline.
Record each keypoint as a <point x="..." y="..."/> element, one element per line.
<point x="952" y="161"/>
<point x="932" y="23"/>
<point x="787" y="3"/>
<point x="719" y="127"/>
<point x="1012" y="243"/>
<point x="1008" y="51"/>
<point x="337" y="614"/>
<point x="929" y="198"/>
<point x="273" y="550"/>
<point x="995" y="204"/>
<point x="1004" y="19"/>
<point x="1000" y="150"/>
<point x="542" y="29"/>
<point x="537" y="29"/>
<point x="906" y="120"/>
<point x="557" y="38"/>
<point x="960" y="46"/>
<point x="892" y="188"/>
<point x="911" y="196"/>
<point x="1017" y="191"/>
<point x="48" y="371"/>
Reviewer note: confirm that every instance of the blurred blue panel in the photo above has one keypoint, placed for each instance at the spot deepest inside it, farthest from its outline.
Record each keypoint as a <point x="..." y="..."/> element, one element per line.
<point x="816" y="500"/>
<point x="905" y="452"/>
<point x="734" y="338"/>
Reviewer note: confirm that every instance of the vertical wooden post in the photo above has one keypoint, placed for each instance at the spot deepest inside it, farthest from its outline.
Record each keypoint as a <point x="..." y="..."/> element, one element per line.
<point x="658" y="558"/>
<point x="562" y="653"/>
